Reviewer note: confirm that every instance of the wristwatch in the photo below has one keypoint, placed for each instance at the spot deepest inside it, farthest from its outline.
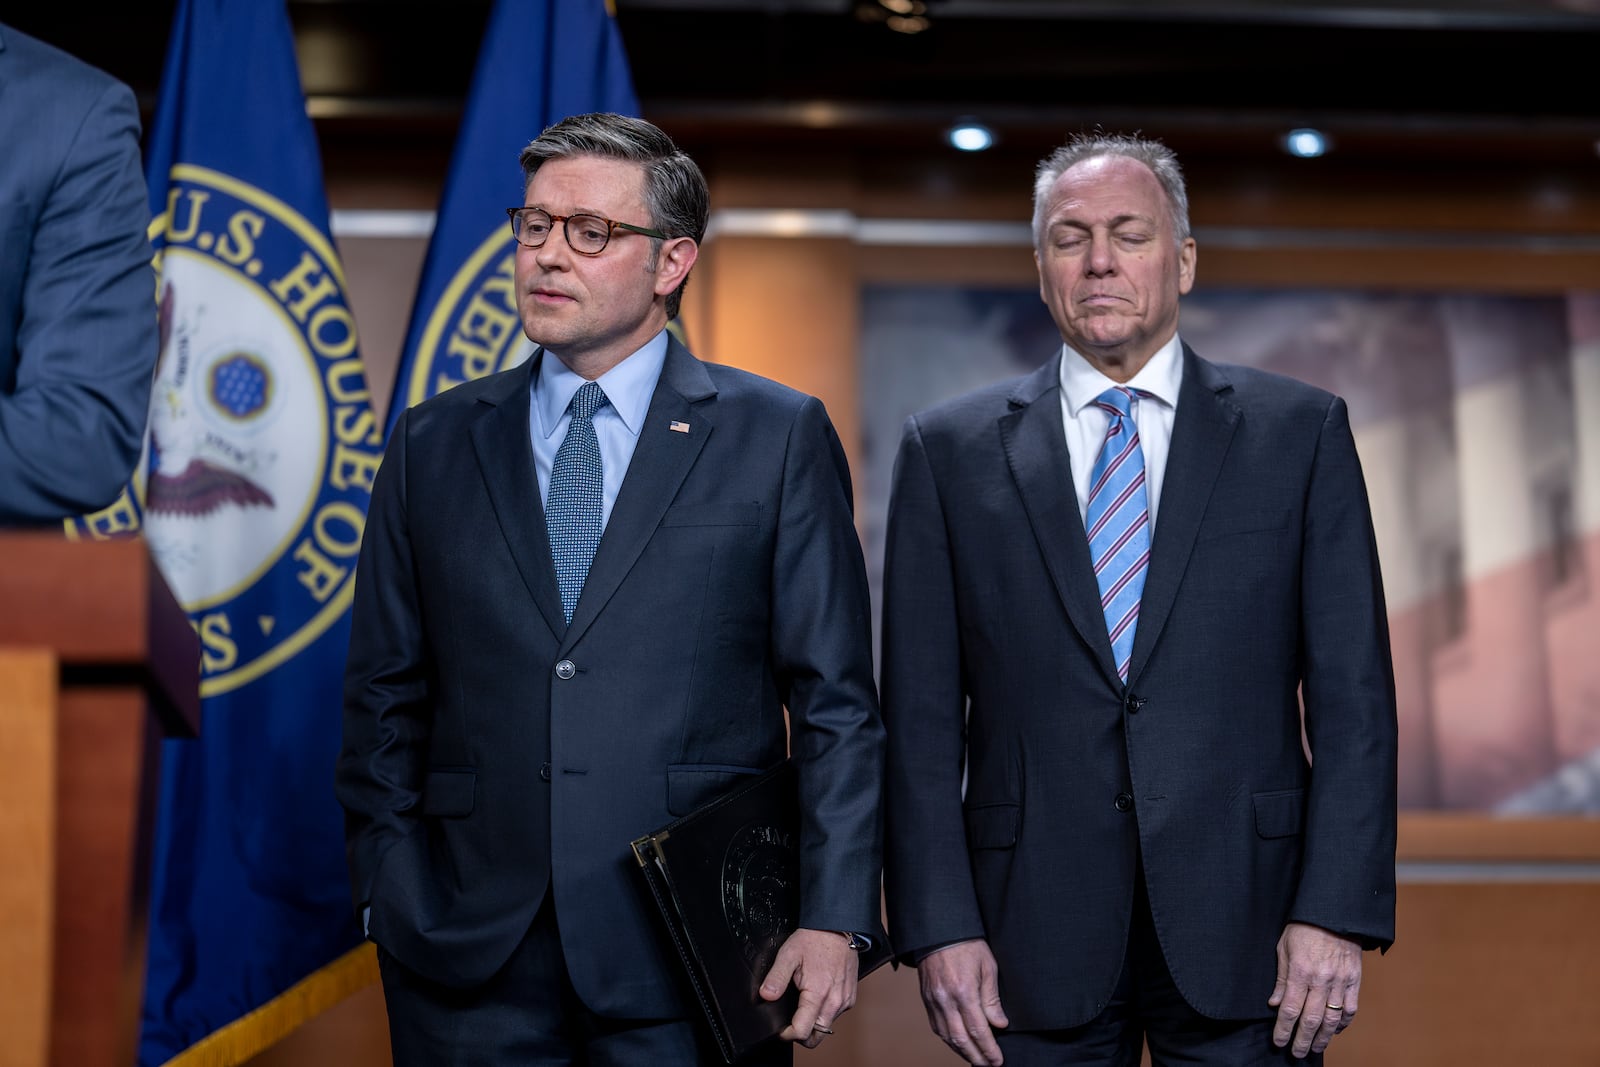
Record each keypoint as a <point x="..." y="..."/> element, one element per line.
<point x="858" y="943"/>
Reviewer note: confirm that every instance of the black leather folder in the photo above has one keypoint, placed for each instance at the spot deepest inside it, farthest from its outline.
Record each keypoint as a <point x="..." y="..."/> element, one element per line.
<point x="726" y="878"/>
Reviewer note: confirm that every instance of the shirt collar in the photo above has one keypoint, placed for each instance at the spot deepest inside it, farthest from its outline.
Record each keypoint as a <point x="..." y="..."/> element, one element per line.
<point x="1160" y="377"/>
<point x="628" y="386"/>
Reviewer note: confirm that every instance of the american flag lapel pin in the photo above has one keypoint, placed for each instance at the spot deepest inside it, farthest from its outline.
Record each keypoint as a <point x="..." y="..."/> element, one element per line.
<point x="678" y="427"/>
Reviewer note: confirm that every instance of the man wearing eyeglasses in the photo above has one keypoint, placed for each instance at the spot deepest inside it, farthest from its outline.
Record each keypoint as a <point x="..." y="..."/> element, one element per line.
<point x="589" y="588"/>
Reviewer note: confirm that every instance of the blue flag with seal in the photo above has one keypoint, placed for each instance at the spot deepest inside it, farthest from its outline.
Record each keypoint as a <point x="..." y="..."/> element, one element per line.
<point x="540" y="61"/>
<point x="252" y="497"/>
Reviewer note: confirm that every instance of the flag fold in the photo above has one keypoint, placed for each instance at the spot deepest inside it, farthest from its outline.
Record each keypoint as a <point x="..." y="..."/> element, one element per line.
<point x="253" y="492"/>
<point x="541" y="61"/>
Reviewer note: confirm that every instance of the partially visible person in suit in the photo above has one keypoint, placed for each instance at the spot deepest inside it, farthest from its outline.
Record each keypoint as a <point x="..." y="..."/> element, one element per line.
<point x="1110" y="587"/>
<point x="77" y="292"/>
<point x="589" y="587"/>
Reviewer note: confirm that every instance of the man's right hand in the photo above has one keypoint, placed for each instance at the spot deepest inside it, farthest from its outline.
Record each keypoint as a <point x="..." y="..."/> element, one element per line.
<point x="961" y="990"/>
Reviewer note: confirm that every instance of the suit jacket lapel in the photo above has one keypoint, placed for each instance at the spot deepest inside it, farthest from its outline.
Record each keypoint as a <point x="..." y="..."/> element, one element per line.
<point x="1036" y="450"/>
<point x="661" y="461"/>
<point x="505" y="459"/>
<point x="1201" y="434"/>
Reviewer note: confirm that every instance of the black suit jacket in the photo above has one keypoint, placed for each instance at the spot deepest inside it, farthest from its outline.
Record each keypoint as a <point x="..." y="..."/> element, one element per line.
<point x="494" y="754"/>
<point x="1263" y="585"/>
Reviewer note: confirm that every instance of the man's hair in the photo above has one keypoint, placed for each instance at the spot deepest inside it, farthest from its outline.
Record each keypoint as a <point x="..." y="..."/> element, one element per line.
<point x="675" y="191"/>
<point x="1161" y="160"/>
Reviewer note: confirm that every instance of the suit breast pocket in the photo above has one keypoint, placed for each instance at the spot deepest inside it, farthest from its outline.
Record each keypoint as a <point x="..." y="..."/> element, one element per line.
<point x="1235" y="523"/>
<point x="740" y="513"/>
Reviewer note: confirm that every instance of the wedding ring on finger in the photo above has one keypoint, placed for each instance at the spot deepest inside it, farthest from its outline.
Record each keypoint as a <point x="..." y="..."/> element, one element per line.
<point x="819" y="1028"/>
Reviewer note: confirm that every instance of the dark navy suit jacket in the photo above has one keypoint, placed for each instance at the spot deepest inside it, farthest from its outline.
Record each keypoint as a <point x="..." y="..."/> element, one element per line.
<point x="1263" y="587"/>
<point x="494" y="754"/>
<point x="77" y="292"/>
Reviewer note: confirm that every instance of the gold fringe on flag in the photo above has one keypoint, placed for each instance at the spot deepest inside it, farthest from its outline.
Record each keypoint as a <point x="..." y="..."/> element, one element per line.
<point x="279" y="1017"/>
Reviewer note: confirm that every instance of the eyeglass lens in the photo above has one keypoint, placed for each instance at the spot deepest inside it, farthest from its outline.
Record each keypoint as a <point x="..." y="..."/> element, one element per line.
<point x="585" y="233"/>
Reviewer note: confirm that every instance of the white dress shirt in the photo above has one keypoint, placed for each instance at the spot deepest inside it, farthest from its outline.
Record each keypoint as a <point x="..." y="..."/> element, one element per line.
<point x="1085" y="423"/>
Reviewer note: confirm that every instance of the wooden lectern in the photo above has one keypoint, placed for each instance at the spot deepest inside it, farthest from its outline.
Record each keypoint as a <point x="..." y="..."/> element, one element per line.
<point x="97" y="663"/>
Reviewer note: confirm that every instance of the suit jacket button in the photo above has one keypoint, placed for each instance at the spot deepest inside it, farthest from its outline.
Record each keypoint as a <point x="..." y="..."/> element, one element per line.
<point x="544" y="772"/>
<point x="1133" y="704"/>
<point x="566" y="669"/>
<point x="1123" y="802"/>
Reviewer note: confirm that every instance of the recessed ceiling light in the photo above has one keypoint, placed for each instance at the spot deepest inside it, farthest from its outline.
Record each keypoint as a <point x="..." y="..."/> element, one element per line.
<point x="970" y="137"/>
<point x="1305" y="143"/>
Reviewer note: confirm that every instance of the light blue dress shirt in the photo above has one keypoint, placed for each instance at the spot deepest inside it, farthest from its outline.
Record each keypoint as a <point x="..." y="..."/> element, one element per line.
<point x="628" y="386"/>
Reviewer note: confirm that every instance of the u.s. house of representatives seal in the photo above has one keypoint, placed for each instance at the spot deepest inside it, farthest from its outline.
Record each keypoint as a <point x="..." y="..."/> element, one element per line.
<point x="760" y="885"/>
<point x="262" y="444"/>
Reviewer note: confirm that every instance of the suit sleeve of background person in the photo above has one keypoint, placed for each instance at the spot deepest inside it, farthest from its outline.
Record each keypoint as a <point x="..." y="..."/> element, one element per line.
<point x="77" y="294"/>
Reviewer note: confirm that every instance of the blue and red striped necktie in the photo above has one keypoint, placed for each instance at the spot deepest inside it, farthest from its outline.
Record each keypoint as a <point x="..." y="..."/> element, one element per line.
<point x="1118" y="521"/>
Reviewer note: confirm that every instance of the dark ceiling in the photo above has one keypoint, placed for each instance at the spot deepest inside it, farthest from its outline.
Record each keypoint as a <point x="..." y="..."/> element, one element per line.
<point x="1454" y="79"/>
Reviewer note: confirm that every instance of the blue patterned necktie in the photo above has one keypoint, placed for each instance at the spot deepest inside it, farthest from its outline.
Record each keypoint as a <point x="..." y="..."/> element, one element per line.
<point x="1118" y="521"/>
<point x="573" y="511"/>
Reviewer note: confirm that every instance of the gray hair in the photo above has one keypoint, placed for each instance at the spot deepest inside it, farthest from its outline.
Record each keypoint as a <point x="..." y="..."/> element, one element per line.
<point x="1081" y="147"/>
<point x="675" y="190"/>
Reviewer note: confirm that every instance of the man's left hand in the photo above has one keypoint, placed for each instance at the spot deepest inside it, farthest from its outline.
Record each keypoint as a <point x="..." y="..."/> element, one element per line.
<point x="1319" y="983"/>
<point x="823" y="967"/>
